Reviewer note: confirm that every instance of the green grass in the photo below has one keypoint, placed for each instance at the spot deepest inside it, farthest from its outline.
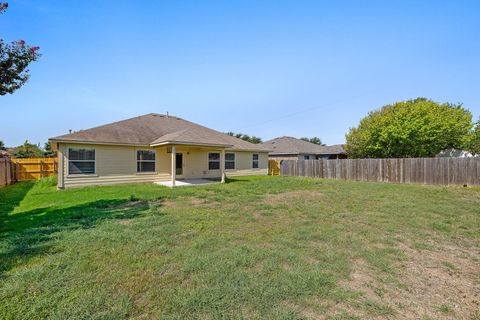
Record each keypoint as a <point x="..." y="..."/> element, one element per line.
<point x="257" y="247"/>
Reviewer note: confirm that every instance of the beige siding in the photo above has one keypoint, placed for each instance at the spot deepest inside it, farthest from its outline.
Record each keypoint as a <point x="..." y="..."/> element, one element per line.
<point x="117" y="164"/>
<point x="244" y="163"/>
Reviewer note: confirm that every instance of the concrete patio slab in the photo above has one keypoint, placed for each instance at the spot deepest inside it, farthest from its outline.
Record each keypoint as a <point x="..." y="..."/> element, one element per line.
<point x="186" y="183"/>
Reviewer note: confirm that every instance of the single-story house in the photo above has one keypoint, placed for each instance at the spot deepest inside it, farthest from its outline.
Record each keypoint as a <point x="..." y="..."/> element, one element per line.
<point x="289" y="148"/>
<point x="153" y="148"/>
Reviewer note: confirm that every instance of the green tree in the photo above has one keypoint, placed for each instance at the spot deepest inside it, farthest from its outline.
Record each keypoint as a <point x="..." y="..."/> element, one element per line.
<point x="48" y="151"/>
<point x="314" y="140"/>
<point x="474" y="143"/>
<point x="413" y="128"/>
<point x="28" y="150"/>
<point x="245" y="137"/>
<point x="14" y="60"/>
<point x="2" y="146"/>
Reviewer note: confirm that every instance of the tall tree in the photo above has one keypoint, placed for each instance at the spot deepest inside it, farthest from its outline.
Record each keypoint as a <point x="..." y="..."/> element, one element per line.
<point x="2" y="146"/>
<point x="245" y="137"/>
<point x="28" y="150"/>
<point x="414" y="128"/>
<point x="314" y="140"/>
<point x="14" y="60"/>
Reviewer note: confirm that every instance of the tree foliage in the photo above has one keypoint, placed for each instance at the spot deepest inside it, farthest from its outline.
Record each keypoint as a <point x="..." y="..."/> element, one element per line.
<point x="2" y="145"/>
<point x="245" y="137"/>
<point x="48" y="151"/>
<point x="14" y="61"/>
<point x="474" y="143"/>
<point x="414" y="128"/>
<point x="28" y="150"/>
<point x="315" y="140"/>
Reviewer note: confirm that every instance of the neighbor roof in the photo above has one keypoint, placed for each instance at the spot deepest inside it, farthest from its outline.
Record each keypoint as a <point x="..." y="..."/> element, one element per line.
<point x="156" y="129"/>
<point x="290" y="145"/>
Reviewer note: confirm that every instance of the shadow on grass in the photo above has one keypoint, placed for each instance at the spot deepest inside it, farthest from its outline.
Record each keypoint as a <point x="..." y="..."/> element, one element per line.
<point x="11" y="196"/>
<point x="28" y="234"/>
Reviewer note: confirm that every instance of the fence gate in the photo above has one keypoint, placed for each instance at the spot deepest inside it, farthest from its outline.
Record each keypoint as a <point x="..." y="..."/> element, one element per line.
<point x="273" y="167"/>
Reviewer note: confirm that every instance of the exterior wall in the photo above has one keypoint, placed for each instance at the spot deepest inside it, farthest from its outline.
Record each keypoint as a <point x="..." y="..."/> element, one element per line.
<point x="243" y="164"/>
<point x="113" y="164"/>
<point x="118" y="164"/>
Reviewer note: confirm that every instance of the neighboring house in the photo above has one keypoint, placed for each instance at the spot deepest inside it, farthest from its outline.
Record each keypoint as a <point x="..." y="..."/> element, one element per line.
<point x="4" y="154"/>
<point x="455" y="153"/>
<point x="153" y="148"/>
<point x="289" y="148"/>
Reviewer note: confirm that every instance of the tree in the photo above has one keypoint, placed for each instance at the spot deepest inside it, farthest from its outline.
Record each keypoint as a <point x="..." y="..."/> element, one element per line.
<point x="414" y="128"/>
<point x="245" y="137"/>
<point x="474" y="143"/>
<point x="48" y="151"/>
<point x="2" y="146"/>
<point x="14" y="60"/>
<point x="28" y="150"/>
<point x="314" y="140"/>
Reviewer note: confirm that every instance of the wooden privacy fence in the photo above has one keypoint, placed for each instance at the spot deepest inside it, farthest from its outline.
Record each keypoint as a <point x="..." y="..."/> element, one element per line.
<point x="7" y="175"/>
<point x="439" y="171"/>
<point x="34" y="168"/>
<point x="12" y="170"/>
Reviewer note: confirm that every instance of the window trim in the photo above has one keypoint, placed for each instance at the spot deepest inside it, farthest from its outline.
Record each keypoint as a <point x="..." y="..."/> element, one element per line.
<point x="219" y="160"/>
<point x="255" y="161"/>
<point x="230" y="161"/>
<point x="94" y="174"/>
<point x="137" y="161"/>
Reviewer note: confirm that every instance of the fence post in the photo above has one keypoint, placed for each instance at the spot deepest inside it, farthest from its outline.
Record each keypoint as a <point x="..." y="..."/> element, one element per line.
<point x="41" y="168"/>
<point x="6" y="173"/>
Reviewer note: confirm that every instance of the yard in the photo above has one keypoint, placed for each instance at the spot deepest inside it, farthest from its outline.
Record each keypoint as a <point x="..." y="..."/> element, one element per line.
<point x="254" y="248"/>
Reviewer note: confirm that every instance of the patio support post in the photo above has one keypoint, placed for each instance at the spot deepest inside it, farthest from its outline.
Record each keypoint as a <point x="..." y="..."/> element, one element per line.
<point x="222" y="165"/>
<point x="174" y="167"/>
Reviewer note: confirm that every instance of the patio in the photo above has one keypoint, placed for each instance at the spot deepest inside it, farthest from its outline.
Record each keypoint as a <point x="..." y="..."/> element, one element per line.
<point x="186" y="182"/>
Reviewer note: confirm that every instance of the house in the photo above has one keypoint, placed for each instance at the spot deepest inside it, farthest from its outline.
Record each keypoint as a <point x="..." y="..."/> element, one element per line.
<point x="153" y="148"/>
<point x="455" y="153"/>
<point x="289" y="148"/>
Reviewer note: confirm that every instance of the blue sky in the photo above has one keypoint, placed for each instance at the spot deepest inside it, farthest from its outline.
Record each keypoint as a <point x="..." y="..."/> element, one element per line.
<point x="265" y="68"/>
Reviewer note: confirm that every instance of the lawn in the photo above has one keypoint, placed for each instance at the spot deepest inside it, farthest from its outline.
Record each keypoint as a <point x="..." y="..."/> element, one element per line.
<point x="254" y="248"/>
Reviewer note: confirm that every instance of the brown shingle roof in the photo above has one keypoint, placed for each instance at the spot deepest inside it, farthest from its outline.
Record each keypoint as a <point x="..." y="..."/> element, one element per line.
<point x="290" y="145"/>
<point x="155" y="129"/>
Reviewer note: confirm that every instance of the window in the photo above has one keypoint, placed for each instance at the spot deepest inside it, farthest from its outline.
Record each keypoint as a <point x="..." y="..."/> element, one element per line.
<point x="81" y="161"/>
<point x="255" y="161"/>
<point x="307" y="157"/>
<point x="145" y="161"/>
<point x="230" y="161"/>
<point x="213" y="161"/>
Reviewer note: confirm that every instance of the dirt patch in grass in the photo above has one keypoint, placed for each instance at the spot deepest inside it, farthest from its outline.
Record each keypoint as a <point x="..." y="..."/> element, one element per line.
<point x="183" y="202"/>
<point x="287" y="197"/>
<point x="125" y="222"/>
<point x="434" y="284"/>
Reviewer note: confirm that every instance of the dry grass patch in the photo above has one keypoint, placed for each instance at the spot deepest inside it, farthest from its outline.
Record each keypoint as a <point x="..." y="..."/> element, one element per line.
<point x="435" y="284"/>
<point x="288" y="197"/>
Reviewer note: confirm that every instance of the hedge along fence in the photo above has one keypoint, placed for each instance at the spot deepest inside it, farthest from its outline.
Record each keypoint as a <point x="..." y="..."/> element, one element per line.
<point x="437" y="171"/>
